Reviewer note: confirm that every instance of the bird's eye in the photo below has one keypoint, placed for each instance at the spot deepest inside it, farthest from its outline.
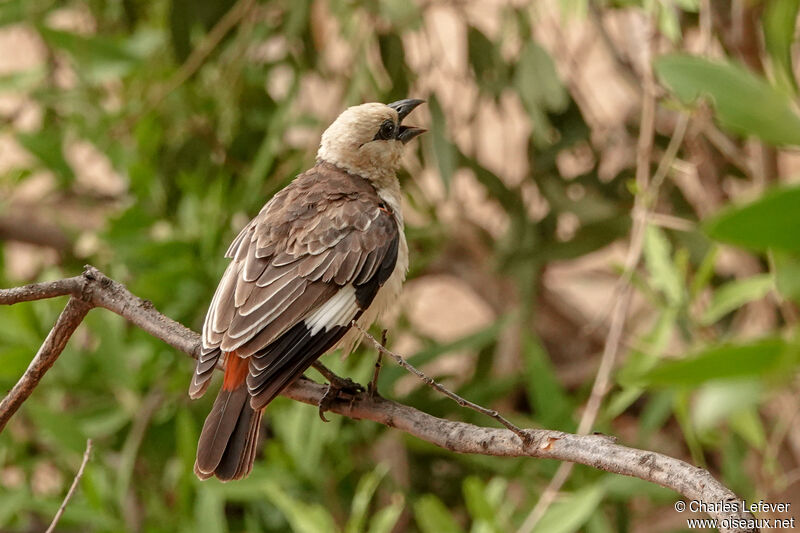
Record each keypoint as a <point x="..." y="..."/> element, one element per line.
<point x="387" y="130"/>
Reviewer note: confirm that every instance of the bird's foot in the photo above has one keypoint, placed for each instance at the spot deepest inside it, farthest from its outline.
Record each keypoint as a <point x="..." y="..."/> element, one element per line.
<point x="337" y="386"/>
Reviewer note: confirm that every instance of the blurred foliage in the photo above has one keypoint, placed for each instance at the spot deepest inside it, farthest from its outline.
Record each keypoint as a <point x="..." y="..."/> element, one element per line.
<point x="202" y="109"/>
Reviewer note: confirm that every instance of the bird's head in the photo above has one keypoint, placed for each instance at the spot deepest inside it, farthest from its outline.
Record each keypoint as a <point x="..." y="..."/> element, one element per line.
<point x="368" y="139"/>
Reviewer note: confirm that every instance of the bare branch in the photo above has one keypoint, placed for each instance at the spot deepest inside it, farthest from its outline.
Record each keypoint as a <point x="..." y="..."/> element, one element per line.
<point x="72" y="487"/>
<point x="53" y="345"/>
<point x="94" y="289"/>
<point x="597" y="451"/>
<point x="41" y="291"/>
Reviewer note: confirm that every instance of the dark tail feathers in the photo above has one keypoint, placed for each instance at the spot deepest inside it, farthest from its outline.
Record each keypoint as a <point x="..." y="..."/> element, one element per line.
<point x="227" y="446"/>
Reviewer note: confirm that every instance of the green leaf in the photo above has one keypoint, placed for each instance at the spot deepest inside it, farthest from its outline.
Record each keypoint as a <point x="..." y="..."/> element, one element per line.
<point x="780" y="17"/>
<point x="478" y="505"/>
<point x="668" y="22"/>
<point x="22" y="81"/>
<point x="655" y="413"/>
<point x="15" y="360"/>
<point x="574" y="8"/>
<point x="303" y="517"/>
<point x="663" y="275"/>
<point x="786" y="268"/>
<point x="722" y="361"/>
<point x="693" y="6"/>
<point x="12" y="504"/>
<point x="747" y="423"/>
<point x="640" y="361"/>
<point x="540" y="90"/>
<point x="446" y="156"/>
<point x="360" y="504"/>
<point x="768" y="113"/>
<point x="589" y="237"/>
<point x="13" y="11"/>
<point x="393" y="58"/>
<point x="433" y="517"/>
<point x="59" y="429"/>
<point x="735" y="294"/>
<point x="571" y="513"/>
<point x="718" y="401"/>
<point x="98" y="58"/>
<point x="400" y="12"/>
<point x="486" y="61"/>
<point x="550" y="402"/>
<point x="210" y="511"/>
<point x="305" y="440"/>
<point x="772" y="221"/>
<point x="705" y="271"/>
<point x="185" y="439"/>
<point x="46" y="146"/>
<point x="386" y="519"/>
<point x="734" y="401"/>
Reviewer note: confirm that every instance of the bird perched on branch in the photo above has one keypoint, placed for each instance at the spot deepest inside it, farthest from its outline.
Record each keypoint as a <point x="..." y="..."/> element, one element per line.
<point x="326" y="250"/>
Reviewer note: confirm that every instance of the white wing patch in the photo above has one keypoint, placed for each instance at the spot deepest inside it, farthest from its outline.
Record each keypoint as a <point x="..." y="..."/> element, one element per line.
<point x="340" y="310"/>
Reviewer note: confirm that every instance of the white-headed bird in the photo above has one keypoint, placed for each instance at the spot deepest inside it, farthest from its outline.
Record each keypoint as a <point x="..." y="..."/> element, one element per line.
<point x="327" y="250"/>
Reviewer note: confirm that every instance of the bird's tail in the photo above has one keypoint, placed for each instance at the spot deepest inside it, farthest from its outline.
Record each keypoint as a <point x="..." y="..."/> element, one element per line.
<point x="227" y="445"/>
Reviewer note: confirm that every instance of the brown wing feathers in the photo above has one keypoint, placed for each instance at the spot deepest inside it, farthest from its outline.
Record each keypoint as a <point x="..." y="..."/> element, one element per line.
<point x="325" y="231"/>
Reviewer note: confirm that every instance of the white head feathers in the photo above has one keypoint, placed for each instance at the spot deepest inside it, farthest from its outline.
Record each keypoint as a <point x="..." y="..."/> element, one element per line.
<point x="368" y="139"/>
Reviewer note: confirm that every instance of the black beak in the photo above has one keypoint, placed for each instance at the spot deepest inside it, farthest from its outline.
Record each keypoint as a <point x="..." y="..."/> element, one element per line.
<point x="403" y="108"/>
<point x="406" y="133"/>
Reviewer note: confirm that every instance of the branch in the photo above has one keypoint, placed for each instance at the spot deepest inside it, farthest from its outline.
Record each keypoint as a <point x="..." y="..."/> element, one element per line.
<point x="53" y="345"/>
<point x="72" y="487"/>
<point x="94" y="289"/>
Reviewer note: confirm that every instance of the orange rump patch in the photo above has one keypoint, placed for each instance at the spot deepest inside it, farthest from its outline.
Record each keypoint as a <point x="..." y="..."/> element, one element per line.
<point x="235" y="371"/>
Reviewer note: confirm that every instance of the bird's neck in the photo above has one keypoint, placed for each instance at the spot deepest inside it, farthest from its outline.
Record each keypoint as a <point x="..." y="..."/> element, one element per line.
<point x="383" y="180"/>
<point x="389" y="191"/>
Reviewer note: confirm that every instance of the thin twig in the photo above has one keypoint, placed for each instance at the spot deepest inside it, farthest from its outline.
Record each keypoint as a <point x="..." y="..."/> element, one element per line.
<point x="400" y="360"/>
<point x="671" y="222"/>
<point x="72" y="487"/>
<point x="664" y="166"/>
<point x="729" y="150"/>
<point x="619" y="313"/>
<point x="96" y="290"/>
<point x="373" y="384"/>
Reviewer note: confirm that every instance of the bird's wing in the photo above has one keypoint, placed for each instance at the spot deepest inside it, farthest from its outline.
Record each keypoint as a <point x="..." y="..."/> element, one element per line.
<point x="301" y="271"/>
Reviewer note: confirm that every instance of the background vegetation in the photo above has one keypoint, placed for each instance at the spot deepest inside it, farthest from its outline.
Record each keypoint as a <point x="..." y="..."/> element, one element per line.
<point x="140" y="135"/>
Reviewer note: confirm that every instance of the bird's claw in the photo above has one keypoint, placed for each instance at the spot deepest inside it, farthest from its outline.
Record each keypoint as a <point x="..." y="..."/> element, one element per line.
<point x="336" y="387"/>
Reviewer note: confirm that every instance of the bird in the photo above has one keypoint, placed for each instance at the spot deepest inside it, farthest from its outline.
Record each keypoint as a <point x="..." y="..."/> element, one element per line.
<point x="325" y="251"/>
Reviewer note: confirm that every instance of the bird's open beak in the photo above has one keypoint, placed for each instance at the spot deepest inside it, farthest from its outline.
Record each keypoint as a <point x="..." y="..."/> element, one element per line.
<point x="403" y="108"/>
